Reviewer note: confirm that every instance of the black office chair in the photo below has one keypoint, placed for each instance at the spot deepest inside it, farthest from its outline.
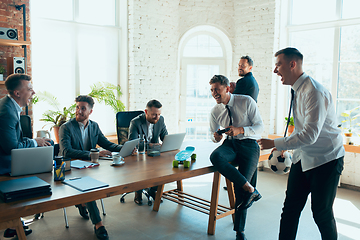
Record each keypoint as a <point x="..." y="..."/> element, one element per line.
<point x="123" y="120"/>
<point x="25" y="123"/>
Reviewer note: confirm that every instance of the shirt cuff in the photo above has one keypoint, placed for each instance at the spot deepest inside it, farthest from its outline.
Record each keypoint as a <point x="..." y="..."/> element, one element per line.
<point x="35" y="142"/>
<point x="280" y="144"/>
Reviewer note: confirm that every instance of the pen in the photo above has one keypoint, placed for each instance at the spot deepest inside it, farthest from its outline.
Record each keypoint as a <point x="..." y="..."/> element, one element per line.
<point x="74" y="178"/>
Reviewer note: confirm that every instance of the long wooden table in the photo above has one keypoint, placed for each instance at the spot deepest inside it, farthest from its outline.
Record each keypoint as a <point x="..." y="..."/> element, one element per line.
<point x="138" y="172"/>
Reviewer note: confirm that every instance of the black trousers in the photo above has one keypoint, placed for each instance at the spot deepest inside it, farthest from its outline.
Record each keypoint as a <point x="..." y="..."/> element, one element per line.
<point x="322" y="183"/>
<point x="93" y="212"/>
<point x="245" y="154"/>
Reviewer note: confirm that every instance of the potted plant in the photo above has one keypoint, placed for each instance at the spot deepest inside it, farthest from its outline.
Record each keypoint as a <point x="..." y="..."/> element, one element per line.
<point x="291" y="124"/>
<point x="2" y="71"/>
<point x="350" y="118"/>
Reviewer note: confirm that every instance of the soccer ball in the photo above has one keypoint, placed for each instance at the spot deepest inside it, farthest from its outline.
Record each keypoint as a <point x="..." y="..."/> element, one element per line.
<point x="278" y="164"/>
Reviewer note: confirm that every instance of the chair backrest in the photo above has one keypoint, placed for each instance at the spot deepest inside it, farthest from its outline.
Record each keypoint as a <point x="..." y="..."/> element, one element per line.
<point x="123" y="120"/>
<point x="25" y="122"/>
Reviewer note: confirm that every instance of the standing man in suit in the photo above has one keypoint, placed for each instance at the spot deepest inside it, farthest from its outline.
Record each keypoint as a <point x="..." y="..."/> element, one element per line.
<point x="20" y="93"/>
<point x="77" y="137"/>
<point x="241" y="115"/>
<point x="247" y="85"/>
<point x="151" y="126"/>
<point x="318" y="160"/>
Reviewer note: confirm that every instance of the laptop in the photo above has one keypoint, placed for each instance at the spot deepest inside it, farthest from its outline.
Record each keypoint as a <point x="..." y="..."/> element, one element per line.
<point x="172" y="142"/>
<point x="23" y="188"/>
<point x="31" y="160"/>
<point x="128" y="147"/>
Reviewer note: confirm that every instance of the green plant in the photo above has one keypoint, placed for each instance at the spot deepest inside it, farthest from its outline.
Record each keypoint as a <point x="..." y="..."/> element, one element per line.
<point x="2" y="69"/>
<point x="291" y="123"/>
<point x="350" y="118"/>
<point x="101" y="92"/>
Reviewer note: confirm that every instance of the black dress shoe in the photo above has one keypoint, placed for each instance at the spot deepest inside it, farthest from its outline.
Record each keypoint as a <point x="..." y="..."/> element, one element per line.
<point x="9" y="233"/>
<point x="101" y="233"/>
<point x="225" y="188"/>
<point x="138" y="198"/>
<point x="83" y="212"/>
<point x="152" y="193"/>
<point x="240" y="236"/>
<point x="249" y="199"/>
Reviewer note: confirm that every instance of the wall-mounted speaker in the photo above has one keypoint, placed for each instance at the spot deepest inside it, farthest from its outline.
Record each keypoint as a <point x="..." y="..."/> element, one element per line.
<point x="15" y="65"/>
<point x="8" y="33"/>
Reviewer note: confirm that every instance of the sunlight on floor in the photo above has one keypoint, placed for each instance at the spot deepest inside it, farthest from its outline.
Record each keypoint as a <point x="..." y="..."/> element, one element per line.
<point x="347" y="218"/>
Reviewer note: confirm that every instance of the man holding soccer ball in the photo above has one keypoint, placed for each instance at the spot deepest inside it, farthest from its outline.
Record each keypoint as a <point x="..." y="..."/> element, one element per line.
<point x="317" y="162"/>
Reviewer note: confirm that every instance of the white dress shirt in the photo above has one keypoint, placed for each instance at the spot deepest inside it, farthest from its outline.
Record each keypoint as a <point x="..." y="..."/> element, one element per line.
<point x="19" y="110"/>
<point x="316" y="137"/>
<point x="150" y="129"/>
<point x="244" y="112"/>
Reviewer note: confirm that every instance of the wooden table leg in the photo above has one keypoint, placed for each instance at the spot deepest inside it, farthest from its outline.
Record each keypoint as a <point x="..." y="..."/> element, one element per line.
<point x="214" y="203"/>
<point x="157" y="202"/>
<point x="17" y="224"/>
<point x="231" y="196"/>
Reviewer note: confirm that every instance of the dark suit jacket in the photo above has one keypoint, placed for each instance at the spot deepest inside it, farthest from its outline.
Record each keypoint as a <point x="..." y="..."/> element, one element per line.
<point x="247" y="86"/>
<point x="11" y="135"/>
<point x="71" y="143"/>
<point x="138" y="127"/>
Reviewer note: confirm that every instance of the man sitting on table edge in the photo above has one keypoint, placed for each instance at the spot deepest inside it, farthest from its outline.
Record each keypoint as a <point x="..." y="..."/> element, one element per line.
<point x="77" y="137"/>
<point x="151" y="126"/>
<point x="20" y="93"/>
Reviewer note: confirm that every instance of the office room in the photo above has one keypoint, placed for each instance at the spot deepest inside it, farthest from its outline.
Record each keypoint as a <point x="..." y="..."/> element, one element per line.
<point x="125" y="53"/>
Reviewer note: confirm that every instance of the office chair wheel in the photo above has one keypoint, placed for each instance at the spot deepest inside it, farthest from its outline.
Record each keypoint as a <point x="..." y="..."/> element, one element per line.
<point x="38" y="216"/>
<point x="122" y="200"/>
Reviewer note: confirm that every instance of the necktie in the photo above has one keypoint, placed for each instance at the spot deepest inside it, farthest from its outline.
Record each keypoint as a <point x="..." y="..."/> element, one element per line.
<point x="291" y="103"/>
<point x="229" y="112"/>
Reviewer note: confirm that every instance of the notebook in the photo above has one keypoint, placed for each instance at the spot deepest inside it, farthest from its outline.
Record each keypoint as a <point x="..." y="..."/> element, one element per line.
<point x="31" y="160"/>
<point x="22" y="188"/>
<point x="172" y="142"/>
<point x="85" y="183"/>
<point x="80" y="164"/>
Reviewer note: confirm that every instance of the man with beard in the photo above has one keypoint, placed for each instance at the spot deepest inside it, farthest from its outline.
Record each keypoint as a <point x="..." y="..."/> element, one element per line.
<point x="77" y="137"/>
<point x="20" y="93"/>
<point x="240" y="114"/>
<point x="246" y="85"/>
<point x="151" y="126"/>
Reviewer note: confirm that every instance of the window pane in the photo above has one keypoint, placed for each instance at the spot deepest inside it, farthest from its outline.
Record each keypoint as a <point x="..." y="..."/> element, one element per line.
<point x="351" y="9"/>
<point x="310" y="11"/>
<point x="318" y="56"/>
<point x="53" y="9"/>
<point x="343" y="106"/>
<point x="203" y="46"/>
<point x="97" y="12"/>
<point x="348" y="85"/>
<point x="350" y="45"/>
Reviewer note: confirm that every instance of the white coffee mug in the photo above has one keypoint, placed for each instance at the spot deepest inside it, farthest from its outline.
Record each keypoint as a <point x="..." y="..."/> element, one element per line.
<point x="117" y="159"/>
<point x="43" y="133"/>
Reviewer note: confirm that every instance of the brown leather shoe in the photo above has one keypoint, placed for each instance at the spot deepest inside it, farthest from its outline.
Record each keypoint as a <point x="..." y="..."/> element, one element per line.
<point x="138" y="199"/>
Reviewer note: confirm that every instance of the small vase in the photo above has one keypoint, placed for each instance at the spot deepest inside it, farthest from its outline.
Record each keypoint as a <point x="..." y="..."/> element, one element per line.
<point x="56" y="133"/>
<point x="290" y="129"/>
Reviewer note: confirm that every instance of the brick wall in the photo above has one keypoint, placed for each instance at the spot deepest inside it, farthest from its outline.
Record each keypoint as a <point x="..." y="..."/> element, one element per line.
<point x="12" y="18"/>
<point x="156" y="27"/>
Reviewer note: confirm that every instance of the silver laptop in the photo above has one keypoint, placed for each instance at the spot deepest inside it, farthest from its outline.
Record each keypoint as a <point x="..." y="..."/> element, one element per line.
<point x="128" y="147"/>
<point x="172" y="142"/>
<point x="31" y="160"/>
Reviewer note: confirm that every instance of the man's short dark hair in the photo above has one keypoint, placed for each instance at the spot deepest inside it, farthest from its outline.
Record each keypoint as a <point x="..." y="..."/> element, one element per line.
<point x="153" y="103"/>
<point x="290" y="54"/>
<point x="220" y="79"/>
<point x="250" y="61"/>
<point x="13" y="81"/>
<point x="85" y="98"/>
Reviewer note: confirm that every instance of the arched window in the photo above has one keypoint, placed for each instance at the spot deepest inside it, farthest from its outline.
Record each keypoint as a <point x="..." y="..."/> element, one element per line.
<point x="203" y="54"/>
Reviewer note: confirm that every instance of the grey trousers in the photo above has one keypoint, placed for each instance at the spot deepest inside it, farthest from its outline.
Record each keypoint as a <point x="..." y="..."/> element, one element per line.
<point x="93" y="212"/>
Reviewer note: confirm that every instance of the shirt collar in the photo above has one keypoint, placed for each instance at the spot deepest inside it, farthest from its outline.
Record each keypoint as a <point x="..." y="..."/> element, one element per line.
<point x="299" y="81"/>
<point x="17" y="106"/>
<point x="81" y="125"/>
<point x="231" y="101"/>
